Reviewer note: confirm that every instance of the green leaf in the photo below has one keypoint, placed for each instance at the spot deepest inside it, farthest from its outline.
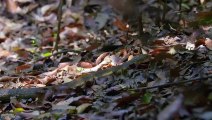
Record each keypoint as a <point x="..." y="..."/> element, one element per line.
<point x="146" y="99"/>
<point x="185" y="6"/>
<point x="55" y="35"/>
<point x="79" y="69"/>
<point x="56" y="116"/>
<point x="205" y="21"/>
<point x="47" y="54"/>
<point x="72" y="111"/>
<point x="34" y="42"/>
<point x="18" y="110"/>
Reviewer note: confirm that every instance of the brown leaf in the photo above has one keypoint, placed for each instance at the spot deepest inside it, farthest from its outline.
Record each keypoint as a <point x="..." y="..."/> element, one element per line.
<point x="101" y="57"/>
<point x="4" y="53"/>
<point x="47" y="80"/>
<point x="126" y="100"/>
<point x="93" y="46"/>
<point x="7" y="78"/>
<point x="12" y="6"/>
<point x="159" y="51"/>
<point x="158" y="42"/>
<point x="23" y="53"/>
<point x="199" y="42"/>
<point x="64" y="64"/>
<point x="23" y="67"/>
<point x="204" y="15"/>
<point x="85" y="65"/>
<point x="208" y="43"/>
<point x="121" y="25"/>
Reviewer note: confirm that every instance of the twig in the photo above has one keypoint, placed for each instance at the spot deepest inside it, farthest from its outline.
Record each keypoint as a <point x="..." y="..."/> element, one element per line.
<point x="59" y="16"/>
<point x="171" y="84"/>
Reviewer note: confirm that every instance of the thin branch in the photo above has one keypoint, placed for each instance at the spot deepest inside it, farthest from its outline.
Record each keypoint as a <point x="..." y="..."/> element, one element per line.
<point x="172" y="84"/>
<point x="59" y="17"/>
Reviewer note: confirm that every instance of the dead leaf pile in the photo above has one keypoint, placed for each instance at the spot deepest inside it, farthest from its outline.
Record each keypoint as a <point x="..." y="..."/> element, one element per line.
<point x="105" y="69"/>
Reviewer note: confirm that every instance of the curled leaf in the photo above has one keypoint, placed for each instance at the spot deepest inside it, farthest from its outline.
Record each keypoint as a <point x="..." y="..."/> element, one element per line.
<point x="82" y="108"/>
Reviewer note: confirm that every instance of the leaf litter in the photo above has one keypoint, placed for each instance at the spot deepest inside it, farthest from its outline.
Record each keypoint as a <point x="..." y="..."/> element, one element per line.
<point x="104" y="69"/>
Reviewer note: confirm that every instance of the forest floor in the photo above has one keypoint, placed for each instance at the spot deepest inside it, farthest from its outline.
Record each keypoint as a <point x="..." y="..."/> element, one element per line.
<point x="104" y="68"/>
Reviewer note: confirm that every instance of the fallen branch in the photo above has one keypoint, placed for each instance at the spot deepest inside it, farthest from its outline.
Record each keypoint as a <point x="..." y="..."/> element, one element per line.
<point x="172" y="84"/>
<point x="24" y="93"/>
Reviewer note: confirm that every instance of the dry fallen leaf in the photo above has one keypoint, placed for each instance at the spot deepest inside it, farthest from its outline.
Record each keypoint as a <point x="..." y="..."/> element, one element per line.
<point x="12" y="6"/>
<point x="101" y="57"/>
<point x="23" y="68"/>
<point x="208" y="43"/>
<point x="121" y="25"/>
<point x="48" y="8"/>
<point x="85" y="65"/>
